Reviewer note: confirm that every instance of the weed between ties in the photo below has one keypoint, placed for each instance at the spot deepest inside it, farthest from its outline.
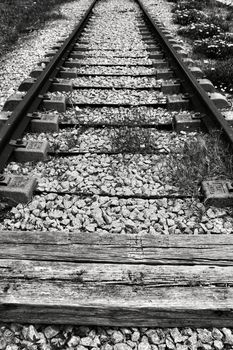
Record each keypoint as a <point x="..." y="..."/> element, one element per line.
<point x="200" y="159"/>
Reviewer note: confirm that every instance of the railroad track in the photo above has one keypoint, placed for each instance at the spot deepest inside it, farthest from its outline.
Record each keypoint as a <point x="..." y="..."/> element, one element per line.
<point x="106" y="235"/>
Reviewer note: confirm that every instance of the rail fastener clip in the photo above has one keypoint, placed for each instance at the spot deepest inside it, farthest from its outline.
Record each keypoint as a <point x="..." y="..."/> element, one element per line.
<point x="17" y="188"/>
<point x="44" y="123"/>
<point x="178" y="102"/>
<point x="12" y="102"/>
<point x="4" y="116"/>
<point x="219" y="100"/>
<point x="57" y="103"/>
<point x="218" y="192"/>
<point x="28" y="151"/>
<point x="187" y="122"/>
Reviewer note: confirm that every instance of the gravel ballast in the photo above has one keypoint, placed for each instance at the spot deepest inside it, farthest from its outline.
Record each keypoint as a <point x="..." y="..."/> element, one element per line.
<point x="115" y="175"/>
<point x="115" y="61"/>
<point x="111" y="214"/>
<point x="117" y="70"/>
<point x="17" y="64"/>
<point x="108" y="115"/>
<point x="93" y="140"/>
<point x="48" y="337"/>
<point x="124" y="82"/>
<point x="132" y="97"/>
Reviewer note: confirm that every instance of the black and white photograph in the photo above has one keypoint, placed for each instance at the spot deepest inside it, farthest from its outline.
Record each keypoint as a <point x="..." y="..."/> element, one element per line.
<point x="116" y="174"/>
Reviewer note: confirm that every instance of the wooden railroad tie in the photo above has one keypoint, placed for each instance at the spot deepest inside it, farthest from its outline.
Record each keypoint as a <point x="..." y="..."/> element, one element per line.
<point x="111" y="279"/>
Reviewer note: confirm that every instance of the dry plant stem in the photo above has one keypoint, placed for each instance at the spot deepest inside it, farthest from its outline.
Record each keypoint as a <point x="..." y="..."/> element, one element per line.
<point x="133" y="140"/>
<point x="200" y="159"/>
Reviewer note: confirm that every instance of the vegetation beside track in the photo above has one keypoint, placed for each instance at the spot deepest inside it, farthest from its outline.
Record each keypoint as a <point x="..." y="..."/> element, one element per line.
<point x="221" y="74"/>
<point x="200" y="159"/>
<point x="22" y="16"/>
<point x="208" y="26"/>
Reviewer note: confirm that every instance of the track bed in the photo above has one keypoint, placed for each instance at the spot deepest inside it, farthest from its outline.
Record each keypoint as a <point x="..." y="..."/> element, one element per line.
<point x="115" y="233"/>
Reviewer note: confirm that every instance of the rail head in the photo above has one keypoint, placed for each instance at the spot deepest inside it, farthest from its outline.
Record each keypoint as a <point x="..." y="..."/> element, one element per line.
<point x="213" y="119"/>
<point x="19" y="119"/>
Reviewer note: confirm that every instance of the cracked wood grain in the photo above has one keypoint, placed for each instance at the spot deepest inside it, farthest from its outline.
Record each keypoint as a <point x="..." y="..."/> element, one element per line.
<point x="115" y="294"/>
<point x="107" y="279"/>
<point x="115" y="248"/>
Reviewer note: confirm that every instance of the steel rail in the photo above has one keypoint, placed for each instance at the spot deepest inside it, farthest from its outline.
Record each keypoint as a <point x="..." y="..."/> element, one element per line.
<point x="20" y="117"/>
<point x="213" y="118"/>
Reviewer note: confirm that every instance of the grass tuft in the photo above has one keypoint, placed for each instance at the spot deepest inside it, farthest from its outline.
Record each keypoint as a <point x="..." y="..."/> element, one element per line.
<point x="133" y="140"/>
<point x="199" y="159"/>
